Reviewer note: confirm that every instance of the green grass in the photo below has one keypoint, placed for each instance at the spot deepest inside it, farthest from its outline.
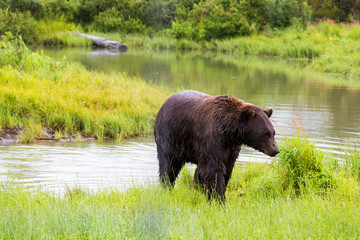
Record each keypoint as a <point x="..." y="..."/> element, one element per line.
<point x="269" y="208"/>
<point x="60" y="33"/>
<point x="39" y="93"/>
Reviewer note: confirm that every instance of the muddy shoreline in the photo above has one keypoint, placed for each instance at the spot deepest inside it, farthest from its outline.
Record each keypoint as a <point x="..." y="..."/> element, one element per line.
<point x="12" y="135"/>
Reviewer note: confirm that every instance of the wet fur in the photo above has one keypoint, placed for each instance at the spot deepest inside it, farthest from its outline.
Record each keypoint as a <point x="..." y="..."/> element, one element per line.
<point x="207" y="131"/>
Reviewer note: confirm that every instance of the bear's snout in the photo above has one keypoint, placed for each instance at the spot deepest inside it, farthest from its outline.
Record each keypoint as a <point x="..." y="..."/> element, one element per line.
<point x="275" y="152"/>
<point x="272" y="151"/>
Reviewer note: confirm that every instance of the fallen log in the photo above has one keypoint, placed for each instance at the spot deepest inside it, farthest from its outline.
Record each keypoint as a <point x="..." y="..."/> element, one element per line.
<point x="47" y="138"/>
<point x="103" y="42"/>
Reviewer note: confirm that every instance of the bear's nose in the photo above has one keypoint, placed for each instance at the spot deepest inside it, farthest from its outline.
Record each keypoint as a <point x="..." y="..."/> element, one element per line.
<point x="275" y="152"/>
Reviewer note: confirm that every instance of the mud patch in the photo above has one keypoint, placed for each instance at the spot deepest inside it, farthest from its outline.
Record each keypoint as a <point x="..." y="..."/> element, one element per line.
<point x="10" y="135"/>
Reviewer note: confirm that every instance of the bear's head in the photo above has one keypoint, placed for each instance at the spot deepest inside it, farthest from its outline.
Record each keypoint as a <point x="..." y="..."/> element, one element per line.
<point x="258" y="132"/>
<point x="245" y="123"/>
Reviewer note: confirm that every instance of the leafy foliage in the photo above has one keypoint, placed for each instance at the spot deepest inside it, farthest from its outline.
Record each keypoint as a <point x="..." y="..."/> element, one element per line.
<point x="281" y="13"/>
<point x="113" y="20"/>
<point x="19" y="23"/>
<point x="338" y="10"/>
<point x="15" y="54"/>
<point x="190" y="19"/>
<point x="210" y="19"/>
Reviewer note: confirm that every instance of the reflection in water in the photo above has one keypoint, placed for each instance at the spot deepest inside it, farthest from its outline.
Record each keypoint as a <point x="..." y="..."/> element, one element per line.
<point x="90" y="164"/>
<point x="329" y="113"/>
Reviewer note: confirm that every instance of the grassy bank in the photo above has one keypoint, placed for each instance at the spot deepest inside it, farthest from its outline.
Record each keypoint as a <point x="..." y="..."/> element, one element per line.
<point x="301" y="194"/>
<point x="43" y="95"/>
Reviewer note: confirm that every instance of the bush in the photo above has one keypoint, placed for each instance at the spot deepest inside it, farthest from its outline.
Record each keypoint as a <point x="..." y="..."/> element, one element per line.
<point x="20" y="24"/>
<point x="15" y="54"/>
<point x="158" y="14"/>
<point x="56" y="9"/>
<point x="209" y="20"/>
<point x="221" y="19"/>
<point x="335" y="10"/>
<point x="113" y="20"/>
<point x="281" y="13"/>
<point x="87" y="10"/>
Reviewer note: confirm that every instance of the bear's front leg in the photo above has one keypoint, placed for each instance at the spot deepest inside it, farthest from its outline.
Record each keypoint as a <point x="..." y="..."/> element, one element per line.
<point x="233" y="154"/>
<point x="214" y="180"/>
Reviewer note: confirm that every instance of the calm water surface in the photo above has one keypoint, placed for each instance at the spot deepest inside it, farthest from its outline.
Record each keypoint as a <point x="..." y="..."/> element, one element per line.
<point x="330" y="115"/>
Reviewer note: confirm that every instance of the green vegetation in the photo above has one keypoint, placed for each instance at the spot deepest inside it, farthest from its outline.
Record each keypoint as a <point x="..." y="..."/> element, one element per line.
<point x="39" y="93"/>
<point x="261" y="204"/>
<point x="192" y="19"/>
<point x="303" y="193"/>
<point x="262" y="27"/>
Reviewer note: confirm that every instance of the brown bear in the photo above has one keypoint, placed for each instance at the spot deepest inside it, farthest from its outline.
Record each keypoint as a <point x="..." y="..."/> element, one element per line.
<point x="208" y="131"/>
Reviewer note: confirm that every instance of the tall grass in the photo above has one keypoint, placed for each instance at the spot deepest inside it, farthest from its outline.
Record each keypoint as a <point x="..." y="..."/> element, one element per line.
<point x="60" y="33"/>
<point x="302" y="165"/>
<point x="38" y="91"/>
<point x="258" y="206"/>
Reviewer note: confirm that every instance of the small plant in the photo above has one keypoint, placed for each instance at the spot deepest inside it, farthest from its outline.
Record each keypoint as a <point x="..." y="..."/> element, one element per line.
<point x="302" y="165"/>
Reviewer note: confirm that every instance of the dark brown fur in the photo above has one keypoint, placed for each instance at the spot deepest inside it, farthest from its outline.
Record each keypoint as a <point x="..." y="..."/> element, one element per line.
<point x="209" y="131"/>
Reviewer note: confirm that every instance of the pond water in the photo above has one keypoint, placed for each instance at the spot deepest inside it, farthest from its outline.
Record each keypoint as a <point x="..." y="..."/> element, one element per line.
<point x="329" y="113"/>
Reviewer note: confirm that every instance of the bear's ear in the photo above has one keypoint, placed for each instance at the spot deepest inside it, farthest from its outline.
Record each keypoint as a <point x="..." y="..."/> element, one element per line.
<point x="248" y="115"/>
<point x="269" y="112"/>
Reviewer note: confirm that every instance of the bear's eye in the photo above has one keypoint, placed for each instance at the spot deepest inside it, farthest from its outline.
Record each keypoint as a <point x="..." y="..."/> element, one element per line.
<point x="268" y="134"/>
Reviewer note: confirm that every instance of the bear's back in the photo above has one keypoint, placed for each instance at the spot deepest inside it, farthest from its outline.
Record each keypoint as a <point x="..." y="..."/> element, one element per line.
<point x="186" y="95"/>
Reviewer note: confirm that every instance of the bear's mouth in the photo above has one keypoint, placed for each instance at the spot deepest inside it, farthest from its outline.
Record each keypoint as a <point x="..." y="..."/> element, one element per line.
<point x="260" y="149"/>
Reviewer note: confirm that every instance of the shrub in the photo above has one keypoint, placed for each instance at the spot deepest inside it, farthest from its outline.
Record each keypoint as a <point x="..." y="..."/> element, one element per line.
<point x="113" y="20"/>
<point x="20" y="24"/>
<point x="55" y="9"/>
<point x="281" y="13"/>
<point x="209" y="20"/>
<point x="158" y="14"/>
<point x="15" y="54"/>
